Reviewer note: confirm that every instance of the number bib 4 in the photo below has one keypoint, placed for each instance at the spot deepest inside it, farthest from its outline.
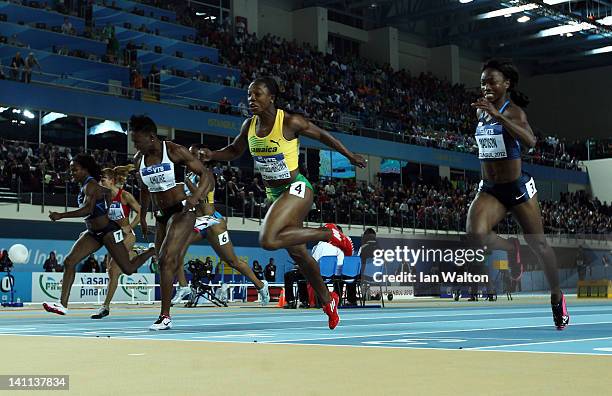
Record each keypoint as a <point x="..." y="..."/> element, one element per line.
<point x="490" y="139"/>
<point x="272" y="167"/>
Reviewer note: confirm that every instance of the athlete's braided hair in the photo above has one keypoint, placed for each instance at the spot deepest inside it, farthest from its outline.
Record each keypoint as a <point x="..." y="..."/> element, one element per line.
<point x="88" y="162"/>
<point x="510" y="72"/>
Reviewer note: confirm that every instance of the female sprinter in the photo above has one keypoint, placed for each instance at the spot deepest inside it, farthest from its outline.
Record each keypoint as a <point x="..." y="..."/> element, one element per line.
<point x="156" y="163"/>
<point x="502" y="130"/>
<point x="94" y="202"/>
<point x="122" y="205"/>
<point x="211" y="225"/>
<point x="272" y="137"/>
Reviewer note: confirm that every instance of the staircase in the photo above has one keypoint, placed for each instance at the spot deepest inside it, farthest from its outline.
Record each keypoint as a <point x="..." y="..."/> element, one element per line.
<point x="6" y="195"/>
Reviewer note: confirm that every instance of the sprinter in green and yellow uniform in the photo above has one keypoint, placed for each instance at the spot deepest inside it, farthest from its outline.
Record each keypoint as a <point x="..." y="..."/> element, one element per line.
<point x="271" y="136"/>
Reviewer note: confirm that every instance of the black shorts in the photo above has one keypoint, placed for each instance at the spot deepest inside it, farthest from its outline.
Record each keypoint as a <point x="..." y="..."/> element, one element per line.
<point x="513" y="193"/>
<point x="163" y="215"/>
<point x="112" y="226"/>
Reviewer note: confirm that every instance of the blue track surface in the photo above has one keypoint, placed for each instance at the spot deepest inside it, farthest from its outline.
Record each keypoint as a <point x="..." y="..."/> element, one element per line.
<point x="508" y="328"/>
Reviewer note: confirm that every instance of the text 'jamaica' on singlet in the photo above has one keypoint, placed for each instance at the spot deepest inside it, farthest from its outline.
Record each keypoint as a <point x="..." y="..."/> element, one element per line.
<point x="274" y="156"/>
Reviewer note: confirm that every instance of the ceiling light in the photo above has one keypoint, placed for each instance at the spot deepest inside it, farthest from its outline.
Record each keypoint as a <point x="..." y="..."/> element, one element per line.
<point x="570" y="28"/>
<point x="523" y="19"/>
<point x="508" y="11"/>
<point x="514" y="10"/>
<point x="465" y="1"/>
<point x="606" y="21"/>
<point x="601" y="50"/>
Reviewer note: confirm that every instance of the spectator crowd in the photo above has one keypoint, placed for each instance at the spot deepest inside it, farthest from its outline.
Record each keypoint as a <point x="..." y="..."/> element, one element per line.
<point x="439" y="204"/>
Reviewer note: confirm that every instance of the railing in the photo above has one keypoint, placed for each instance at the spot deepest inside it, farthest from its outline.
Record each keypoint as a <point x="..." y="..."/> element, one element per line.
<point x="399" y="222"/>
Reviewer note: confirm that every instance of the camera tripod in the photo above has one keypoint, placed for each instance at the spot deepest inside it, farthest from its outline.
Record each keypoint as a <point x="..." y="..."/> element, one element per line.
<point x="200" y="289"/>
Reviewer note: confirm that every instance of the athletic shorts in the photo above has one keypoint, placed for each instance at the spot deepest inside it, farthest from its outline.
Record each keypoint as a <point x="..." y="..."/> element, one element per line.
<point x="513" y="193"/>
<point x="296" y="187"/>
<point x="204" y="222"/>
<point x="164" y="215"/>
<point x="113" y="227"/>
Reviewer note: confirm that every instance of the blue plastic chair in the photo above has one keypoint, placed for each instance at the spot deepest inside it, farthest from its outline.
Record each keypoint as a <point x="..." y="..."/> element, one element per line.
<point x="351" y="268"/>
<point x="327" y="266"/>
<point x="351" y="273"/>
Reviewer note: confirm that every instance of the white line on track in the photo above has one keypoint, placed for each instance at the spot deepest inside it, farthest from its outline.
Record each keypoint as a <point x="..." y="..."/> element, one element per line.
<point x="427" y="332"/>
<point x="541" y="343"/>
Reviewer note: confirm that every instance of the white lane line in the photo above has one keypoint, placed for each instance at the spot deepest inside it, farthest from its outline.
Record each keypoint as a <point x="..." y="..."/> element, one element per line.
<point x="427" y="332"/>
<point x="541" y="343"/>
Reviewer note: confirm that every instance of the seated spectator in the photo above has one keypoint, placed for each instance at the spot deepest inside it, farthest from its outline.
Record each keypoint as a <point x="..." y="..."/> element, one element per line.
<point x="290" y="278"/>
<point x="51" y="264"/>
<point x="258" y="270"/>
<point x="5" y="261"/>
<point x="67" y="26"/>
<point x="90" y="265"/>
<point x="225" y="106"/>
<point x="270" y="271"/>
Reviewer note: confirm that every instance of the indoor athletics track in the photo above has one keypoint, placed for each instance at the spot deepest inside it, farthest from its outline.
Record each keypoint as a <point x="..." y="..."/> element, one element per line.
<point x="428" y="347"/>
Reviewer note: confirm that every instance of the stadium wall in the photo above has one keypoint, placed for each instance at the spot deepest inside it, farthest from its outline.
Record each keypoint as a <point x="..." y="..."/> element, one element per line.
<point x="385" y="45"/>
<point x="469" y="70"/>
<point x="275" y="18"/>
<point x="574" y="105"/>
<point x="599" y="175"/>
<point x="413" y="57"/>
<point x="249" y="10"/>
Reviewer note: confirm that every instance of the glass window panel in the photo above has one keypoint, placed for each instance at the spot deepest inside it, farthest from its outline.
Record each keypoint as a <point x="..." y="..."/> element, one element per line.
<point x="63" y="130"/>
<point x="19" y="124"/>
<point x="186" y="138"/>
<point x="106" y="134"/>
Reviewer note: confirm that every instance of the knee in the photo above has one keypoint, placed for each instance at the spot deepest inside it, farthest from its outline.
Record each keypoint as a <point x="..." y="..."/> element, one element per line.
<point x="298" y="254"/>
<point x="113" y="272"/>
<point x="168" y="259"/>
<point x="475" y="233"/>
<point x="267" y="242"/>
<point x="69" y="263"/>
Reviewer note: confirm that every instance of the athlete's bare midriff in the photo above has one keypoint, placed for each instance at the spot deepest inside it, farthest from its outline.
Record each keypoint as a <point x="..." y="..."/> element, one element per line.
<point x="501" y="171"/>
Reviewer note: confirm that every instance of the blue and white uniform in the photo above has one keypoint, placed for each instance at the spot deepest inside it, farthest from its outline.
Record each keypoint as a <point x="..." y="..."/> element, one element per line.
<point x="100" y="209"/>
<point x="497" y="144"/>
<point x="159" y="178"/>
